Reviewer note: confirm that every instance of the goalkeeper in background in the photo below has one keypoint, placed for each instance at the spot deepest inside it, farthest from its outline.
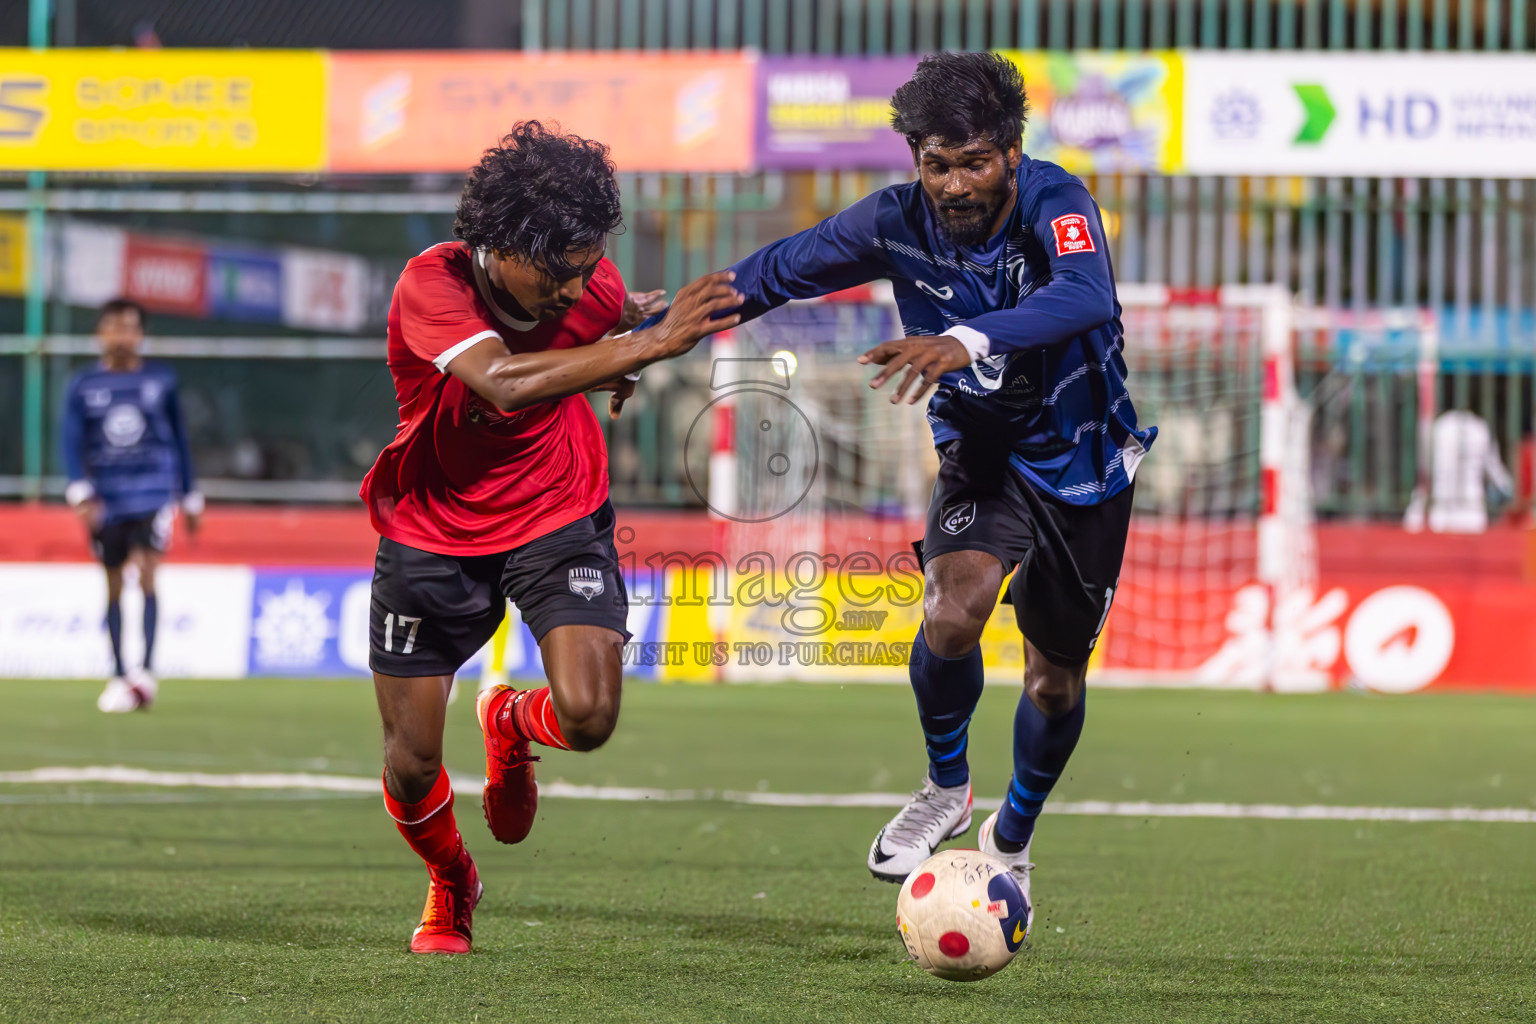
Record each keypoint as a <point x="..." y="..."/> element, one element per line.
<point x="125" y="449"/>
<point x="1002" y="277"/>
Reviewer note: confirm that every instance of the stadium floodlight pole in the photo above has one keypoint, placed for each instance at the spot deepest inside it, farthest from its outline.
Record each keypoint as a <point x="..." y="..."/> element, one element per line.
<point x="33" y="327"/>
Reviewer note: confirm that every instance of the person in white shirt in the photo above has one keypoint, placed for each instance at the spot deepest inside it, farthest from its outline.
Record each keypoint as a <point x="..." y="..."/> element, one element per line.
<point x="1464" y="459"/>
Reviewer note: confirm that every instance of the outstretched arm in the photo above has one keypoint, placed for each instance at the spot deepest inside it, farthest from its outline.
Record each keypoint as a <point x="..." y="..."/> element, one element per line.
<point x="838" y="253"/>
<point x="1079" y="297"/>
<point x="514" y="381"/>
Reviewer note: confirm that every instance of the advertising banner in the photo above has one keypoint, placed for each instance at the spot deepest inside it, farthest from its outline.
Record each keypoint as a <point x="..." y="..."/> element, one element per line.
<point x="165" y="276"/>
<point x="326" y="291"/>
<point x="245" y="285"/>
<point x="829" y="112"/>
<point x="403" y="112"/>
<point x="1398" y="115"/>
<point x="308" y="622"/>
<point x="13" y="255"/>
<point x="1386" y="632"/>
<point x="162" y="110"/>
<point x="1096" y="112"/>
<point x="92" y="268"/>
<point x="51" y="621"/>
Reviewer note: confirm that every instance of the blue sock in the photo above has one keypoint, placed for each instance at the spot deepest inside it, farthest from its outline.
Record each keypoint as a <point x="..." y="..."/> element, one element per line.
<point x="151" y="617"/>
<point x="115" y="631"/>
<point x="1041" y="747"/>
<point x="947" y="690"/>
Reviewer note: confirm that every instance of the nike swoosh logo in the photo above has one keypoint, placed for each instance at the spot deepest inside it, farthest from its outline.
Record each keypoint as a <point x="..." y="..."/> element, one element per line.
<point x="881" y="856"/>
<point x="1018" y="932"/>
<point x="946" y="293"/>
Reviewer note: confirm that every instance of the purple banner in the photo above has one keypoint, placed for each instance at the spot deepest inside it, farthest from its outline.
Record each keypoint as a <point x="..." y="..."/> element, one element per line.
<point x="830" y="112"/>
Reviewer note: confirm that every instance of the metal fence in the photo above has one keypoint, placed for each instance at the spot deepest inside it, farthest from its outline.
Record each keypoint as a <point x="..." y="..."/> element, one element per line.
<point x="908" y="26"/>
<point x="1461" y="248"/>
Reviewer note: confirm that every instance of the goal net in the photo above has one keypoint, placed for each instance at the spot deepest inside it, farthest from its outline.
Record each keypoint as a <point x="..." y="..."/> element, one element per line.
<point x="1220" y="566"/>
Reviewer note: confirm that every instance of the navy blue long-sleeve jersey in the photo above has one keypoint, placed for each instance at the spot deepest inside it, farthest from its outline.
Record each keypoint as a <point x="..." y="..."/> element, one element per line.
<point x="123" y="435"/>
<point x="1035" y="305"/>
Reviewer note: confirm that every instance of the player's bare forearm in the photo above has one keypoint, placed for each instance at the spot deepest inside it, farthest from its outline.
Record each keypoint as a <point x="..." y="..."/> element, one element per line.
<point x="514" y="381"/>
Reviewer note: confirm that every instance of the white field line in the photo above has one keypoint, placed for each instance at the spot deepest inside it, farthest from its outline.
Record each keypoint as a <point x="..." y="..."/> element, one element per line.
<point x="626" y="794"/>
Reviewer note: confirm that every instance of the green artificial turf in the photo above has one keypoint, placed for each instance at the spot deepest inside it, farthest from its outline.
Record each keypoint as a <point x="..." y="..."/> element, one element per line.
<point x="125" y="903"/>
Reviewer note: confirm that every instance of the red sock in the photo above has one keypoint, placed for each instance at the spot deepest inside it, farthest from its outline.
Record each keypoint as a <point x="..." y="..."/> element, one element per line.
<point x="428" y="825"/>
<point x="529" y="715"/>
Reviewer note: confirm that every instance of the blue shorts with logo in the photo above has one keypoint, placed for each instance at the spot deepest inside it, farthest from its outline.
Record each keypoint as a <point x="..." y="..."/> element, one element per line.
<point x="430" y="613"/>
<point x="1065" y="559"/>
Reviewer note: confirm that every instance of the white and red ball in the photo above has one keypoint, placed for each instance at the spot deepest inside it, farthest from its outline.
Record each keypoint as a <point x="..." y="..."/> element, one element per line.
<point x="962" y="915"/>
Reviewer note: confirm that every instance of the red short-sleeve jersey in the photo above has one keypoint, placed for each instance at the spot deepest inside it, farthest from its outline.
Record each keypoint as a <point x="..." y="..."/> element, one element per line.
<point x="461" y="477"/>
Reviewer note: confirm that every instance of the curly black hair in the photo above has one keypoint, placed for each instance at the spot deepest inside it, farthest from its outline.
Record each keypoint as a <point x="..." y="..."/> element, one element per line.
<point x="540" y="195"/>
<point x="962" y="96"/>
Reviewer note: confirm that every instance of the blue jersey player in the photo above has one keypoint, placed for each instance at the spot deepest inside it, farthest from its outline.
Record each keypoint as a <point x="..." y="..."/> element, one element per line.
<point x="1003" y="282"/>
<point x="125" y="450"/>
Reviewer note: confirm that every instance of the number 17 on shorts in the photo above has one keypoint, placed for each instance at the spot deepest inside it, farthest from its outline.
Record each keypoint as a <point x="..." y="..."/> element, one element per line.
<point x="406" y="626"/>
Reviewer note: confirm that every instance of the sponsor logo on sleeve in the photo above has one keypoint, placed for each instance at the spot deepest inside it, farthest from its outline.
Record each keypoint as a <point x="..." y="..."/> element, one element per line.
<point x="1072" y="235"/>
<point x="957" y="518"/>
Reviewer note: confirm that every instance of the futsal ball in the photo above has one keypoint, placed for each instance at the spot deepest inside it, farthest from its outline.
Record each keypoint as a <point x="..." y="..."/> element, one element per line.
<point x="962" y="915"/>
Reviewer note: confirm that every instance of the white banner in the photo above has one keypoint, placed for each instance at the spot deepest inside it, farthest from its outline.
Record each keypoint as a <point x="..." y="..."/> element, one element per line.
<point x="52" y="621"/>
<point x="93" y="260"/>
<point x="326" y="291"/>
<point x="1388" y="114"/>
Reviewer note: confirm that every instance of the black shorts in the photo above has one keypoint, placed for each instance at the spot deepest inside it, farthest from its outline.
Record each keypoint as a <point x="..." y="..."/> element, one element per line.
<point x="114" y="542"/>
<point x="1067" y="556"/>
<point x="430" y="613"/>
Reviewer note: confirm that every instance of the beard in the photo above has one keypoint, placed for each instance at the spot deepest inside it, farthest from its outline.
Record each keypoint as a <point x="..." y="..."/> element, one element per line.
<point x="967" y="222"/>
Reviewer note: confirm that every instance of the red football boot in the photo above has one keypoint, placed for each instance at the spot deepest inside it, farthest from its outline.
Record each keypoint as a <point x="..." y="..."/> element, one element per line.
<point x="451" y="899"/>
<point x="511" y="799"/>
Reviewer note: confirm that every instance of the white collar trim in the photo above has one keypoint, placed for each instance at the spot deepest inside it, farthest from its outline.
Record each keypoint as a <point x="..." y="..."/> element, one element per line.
<point x="483" y="283"/>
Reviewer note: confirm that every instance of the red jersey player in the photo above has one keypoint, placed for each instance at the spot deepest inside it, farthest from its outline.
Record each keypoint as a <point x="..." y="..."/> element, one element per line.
<point x="496" y="487"/>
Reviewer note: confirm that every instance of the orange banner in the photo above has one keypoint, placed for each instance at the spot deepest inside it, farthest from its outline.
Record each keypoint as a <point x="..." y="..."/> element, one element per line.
<point x="403" y="112"/>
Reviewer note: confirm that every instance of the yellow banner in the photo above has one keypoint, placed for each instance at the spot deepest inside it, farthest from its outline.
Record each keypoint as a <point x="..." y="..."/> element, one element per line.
<point x="162" y="110"/>
<point x="13" y="255"/>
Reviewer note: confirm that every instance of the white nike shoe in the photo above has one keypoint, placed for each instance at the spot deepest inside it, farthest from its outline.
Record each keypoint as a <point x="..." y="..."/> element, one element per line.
<point x="935" y="813"/>
<point x="1018" y="863"/>
<point x="118" y="697"/>
<point x="144" y="687"/>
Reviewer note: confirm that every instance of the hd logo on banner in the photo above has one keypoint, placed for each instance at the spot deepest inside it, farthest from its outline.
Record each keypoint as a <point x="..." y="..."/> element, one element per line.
<point x="1396" y="115"/>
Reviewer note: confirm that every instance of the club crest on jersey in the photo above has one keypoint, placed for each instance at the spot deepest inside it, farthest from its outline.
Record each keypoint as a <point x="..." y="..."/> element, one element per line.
<point x="1072" y="235"/>
<point x="123" y="426"/>
<point x="957" y="518"/>
<point x="588" y="583"/>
